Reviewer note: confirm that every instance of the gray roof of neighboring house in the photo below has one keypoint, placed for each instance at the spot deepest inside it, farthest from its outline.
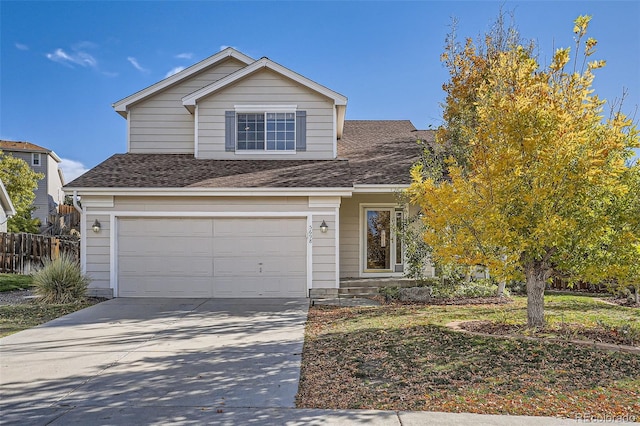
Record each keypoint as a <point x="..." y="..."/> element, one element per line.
<point x="370" y="152"/>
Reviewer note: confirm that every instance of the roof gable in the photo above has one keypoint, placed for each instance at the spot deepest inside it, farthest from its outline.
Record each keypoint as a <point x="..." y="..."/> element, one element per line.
<point x="122" y="105"/>
<point x="191" y="99"/>
<point x="340" y="101"/>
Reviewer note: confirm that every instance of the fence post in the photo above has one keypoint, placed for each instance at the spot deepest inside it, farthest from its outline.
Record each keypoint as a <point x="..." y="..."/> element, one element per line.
<point x="55" y="248"/>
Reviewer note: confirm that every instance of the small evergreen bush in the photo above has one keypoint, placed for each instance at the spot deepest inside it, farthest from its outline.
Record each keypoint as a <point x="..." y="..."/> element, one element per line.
<point x="60" y="281"/>
<point x="478" y="288"/>
<point x="389" y="293"/>
<point x="517" y="287"/>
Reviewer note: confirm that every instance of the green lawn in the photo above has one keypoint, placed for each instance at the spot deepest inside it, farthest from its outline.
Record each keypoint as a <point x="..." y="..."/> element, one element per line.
<point x="403" y="358"/>
<point x="10" y="282"/>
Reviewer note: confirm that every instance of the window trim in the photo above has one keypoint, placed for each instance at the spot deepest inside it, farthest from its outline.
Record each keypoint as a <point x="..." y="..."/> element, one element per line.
<point x="34" y="156"/>
<point x="264" y="110"/>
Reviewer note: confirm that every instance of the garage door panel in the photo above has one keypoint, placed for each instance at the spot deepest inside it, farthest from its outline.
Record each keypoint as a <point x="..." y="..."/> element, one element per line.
<point x="230" y="247"/>
<point x="215" y="257"/>
<point x="233" y="266"/>
<point x="152" y="286"/>
<point x="166" y="245"/>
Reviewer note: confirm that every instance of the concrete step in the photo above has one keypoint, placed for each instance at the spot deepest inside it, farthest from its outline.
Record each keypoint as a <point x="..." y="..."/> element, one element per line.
<point x="376" y="282"/>
<point x="357" y="291"/>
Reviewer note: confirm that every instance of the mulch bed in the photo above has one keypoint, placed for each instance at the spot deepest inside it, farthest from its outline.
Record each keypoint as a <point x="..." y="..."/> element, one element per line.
<point x="17" y="297"/>
<point x="622" y="301"/>
<point x="25" y="297"/>
<point x="566" y="331"/>
<point x="451" y="302"/>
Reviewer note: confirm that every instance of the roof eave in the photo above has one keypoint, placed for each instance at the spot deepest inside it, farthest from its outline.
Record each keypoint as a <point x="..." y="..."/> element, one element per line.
<point x="378" y="188"/>
<point x="229" y="192"/>
<point x="122" y="106"/>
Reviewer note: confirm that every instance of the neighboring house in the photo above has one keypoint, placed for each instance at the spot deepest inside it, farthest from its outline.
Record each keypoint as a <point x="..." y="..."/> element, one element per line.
<point x="6" y="207"/>
<point x="49" y="193"/>
<point x="242" y="178"/>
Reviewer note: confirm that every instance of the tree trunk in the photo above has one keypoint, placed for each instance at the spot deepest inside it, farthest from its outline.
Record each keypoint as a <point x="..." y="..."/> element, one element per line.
<point x="537" y="273"/>
<point x="501" y="285"/>
<point x="636" y="295"/>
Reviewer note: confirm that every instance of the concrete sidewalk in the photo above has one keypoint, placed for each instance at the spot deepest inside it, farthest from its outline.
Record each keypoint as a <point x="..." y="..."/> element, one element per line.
<point x="164" y="415"/>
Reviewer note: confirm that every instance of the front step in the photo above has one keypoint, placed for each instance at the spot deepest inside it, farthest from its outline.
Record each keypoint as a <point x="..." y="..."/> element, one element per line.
<point x="358" y="291"/>
<point x="377" y="282"/>
<point x="360" y="287"/>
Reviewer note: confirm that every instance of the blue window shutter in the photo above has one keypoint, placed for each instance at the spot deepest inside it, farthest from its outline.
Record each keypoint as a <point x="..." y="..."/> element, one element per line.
<point x="229" y="130"/>
<point x="301" y="130"/>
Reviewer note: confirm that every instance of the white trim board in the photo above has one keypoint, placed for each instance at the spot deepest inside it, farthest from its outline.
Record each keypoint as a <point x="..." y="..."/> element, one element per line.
<point x="209" y="192"/>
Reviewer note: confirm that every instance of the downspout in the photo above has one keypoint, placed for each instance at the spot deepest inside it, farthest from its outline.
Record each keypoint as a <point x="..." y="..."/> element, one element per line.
<point x="75" y="202"/>
<point x="9" y="216"/>
<point x="83" y="238"/>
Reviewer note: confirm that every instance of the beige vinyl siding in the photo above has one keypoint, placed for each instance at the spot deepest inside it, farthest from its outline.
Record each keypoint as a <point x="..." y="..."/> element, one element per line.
<point x="98" y="251"/>
<point x="350" y="229"/>
<point x="266" y="88"/>
<point x="211" y="204"/>
<point x="161" y="124"/>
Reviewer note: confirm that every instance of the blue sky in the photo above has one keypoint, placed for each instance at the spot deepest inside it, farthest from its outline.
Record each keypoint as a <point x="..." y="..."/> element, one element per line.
<point x="62" y="64"/>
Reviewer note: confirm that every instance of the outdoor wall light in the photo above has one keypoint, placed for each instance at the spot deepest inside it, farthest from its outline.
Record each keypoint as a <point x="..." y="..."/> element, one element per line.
<point x="96" y="226"/>
<point x="324" y="227"/>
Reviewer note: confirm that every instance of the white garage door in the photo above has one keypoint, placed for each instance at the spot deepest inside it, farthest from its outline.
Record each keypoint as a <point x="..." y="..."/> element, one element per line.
<point x="186" y="257"/>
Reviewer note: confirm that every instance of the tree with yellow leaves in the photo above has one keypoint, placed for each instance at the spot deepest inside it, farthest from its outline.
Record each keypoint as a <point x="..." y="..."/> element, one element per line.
<point x="543" y="182"/>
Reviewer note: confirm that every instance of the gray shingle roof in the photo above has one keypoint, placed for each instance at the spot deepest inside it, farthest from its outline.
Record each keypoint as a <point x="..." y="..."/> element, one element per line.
<point x="381" y="151"/>
<point x="184" y="171"/>
<point x="370" y="152"/>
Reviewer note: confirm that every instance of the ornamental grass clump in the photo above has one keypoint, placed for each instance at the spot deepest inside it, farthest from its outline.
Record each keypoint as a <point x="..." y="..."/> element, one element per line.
<point x="60" y="281"/>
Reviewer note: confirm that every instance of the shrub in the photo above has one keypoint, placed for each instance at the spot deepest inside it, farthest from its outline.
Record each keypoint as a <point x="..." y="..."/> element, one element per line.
<point x="60" y="281"/>
<point x="478" y="288"/>
<point x="389" y="293"/>
<point x="517" y="287"/>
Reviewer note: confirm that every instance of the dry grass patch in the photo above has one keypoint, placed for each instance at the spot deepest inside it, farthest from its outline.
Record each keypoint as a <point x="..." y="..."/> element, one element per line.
<point x="403" y="358"/>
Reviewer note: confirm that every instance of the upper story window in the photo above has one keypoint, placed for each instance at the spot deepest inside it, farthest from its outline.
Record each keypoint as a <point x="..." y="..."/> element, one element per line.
<point x="270" y="131"/>
<point x="274" y="129"/>
<point x="35" y="159"/>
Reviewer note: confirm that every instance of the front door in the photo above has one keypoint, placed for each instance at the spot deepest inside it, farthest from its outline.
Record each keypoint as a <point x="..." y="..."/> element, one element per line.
<point x="378" y="240"/>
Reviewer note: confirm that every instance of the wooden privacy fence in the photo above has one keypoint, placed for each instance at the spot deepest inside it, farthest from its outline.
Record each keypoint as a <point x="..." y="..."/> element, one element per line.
<point x="21" y="253"/>
<point x="63" y="221"/>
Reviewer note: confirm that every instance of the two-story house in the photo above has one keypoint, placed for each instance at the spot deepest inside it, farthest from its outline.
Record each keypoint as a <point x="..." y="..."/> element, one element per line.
<point x="242" y="178"/>
<point x="49" y="192"/>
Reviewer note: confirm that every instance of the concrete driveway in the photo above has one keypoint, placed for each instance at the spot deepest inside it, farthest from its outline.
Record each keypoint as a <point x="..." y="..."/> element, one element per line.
<point x="152" y="359"/>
